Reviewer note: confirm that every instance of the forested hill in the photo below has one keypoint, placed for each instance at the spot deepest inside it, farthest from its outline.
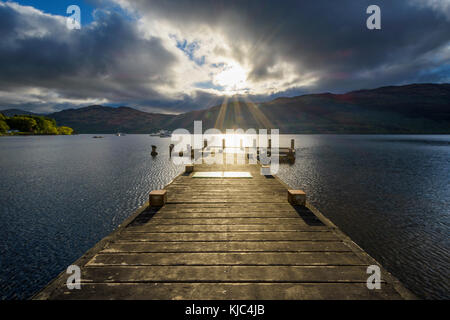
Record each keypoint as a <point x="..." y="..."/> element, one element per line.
<point x="415" y="108"/>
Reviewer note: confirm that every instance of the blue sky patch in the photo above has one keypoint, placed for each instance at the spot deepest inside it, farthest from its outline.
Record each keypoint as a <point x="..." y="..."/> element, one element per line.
<point x="208" y="85"/>
<point x="189" y="49"/>
<point x="60" y="7"/>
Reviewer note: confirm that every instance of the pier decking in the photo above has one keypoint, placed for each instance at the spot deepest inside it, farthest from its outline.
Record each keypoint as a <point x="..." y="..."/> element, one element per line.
<point x="225" y="238"/>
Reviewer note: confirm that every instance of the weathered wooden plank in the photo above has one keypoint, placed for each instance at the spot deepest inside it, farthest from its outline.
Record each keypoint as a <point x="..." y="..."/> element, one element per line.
<point x="232" y="207"/>
<point x="227" y="291"/>
<point x="248" y="258"/>
<point x="229" y="221"/>
<point x="209" y="246"/>
<point x="237" y="209"/>
<point x="228" y="236"/>
<point x="224" y="274"/>
<point x="209" y="187"/>
<point x="222" y="228"/>
<point x="219" y="215"/>
<point x="173" y="199"/>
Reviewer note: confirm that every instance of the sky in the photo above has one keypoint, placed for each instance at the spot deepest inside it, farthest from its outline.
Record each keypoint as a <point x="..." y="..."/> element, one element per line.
<point x="178" y="56"/>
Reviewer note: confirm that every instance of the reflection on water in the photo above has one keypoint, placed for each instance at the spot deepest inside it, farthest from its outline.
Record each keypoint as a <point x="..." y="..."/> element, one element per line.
<point x="390" y="195"/>
<point x="60" y="195"/>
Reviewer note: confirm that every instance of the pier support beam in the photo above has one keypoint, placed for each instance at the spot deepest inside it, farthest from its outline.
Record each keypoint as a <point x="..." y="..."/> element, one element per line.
<point x="158" y="198"/>
<point x="297" y="197"/>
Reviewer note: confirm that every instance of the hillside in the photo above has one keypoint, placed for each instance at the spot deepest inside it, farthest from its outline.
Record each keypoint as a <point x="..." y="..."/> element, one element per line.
<point x="423" y="108"/>
<point x="415" y="108"/>
<point x="100" y="119"/>
<point x="13" y="112"/>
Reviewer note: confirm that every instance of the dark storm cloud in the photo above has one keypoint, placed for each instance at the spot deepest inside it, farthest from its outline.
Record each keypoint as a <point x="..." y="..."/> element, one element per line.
<point x="107" y="59"/>
<point x="324" y="40"/>
<point x="327" y="38"/>
<point x="110" y="48"/>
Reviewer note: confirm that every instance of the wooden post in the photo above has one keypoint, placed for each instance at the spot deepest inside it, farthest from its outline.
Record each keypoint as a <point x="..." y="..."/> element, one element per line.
<point x="158" y="198"/>
<point x="223" y="144"/>
<point x="297" y="197"/>
<point x="205" y="144"/>
<point x="291" y="157"/>
<point x="154" y="153"/>
<point x="189" y="151"/>
<point x="189" y="168"/>
<point x="270" y="143"/>
<point x="171" y="146"/>
<point x="265" y="170"/>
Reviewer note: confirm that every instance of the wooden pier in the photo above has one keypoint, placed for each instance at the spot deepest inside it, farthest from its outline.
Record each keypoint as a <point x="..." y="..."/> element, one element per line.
<point x="225" y="238"/>
<point x="284" y="154"/>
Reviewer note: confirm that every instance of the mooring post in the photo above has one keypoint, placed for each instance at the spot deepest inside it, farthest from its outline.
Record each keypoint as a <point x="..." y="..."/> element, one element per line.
<point x="158" y="198"/>
<point x="265" y="170"/>
<point x="297" y="197"/>
<point x="223" y="144"/>
<point x="205" y="144"/>
<point x="189" y="151"/>
<point x="154" y="153"/>
<point x="171" y="146"/>
<point x="291" y="156"/>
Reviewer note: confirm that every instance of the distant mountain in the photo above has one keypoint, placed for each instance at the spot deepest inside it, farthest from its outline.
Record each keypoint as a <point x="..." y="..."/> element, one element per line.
<point x="415" y="108"/>
<point x="13" y="112"/>
<point x="100" y="119"/>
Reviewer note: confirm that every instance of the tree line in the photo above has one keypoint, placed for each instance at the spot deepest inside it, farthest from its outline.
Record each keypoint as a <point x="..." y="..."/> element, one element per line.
<point x="31" y="124"/>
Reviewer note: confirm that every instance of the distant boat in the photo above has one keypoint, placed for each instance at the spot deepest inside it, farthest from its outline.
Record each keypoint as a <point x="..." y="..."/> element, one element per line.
<point x="161" y="134"/>
<point x="119" y="134"/>
<point x="165" y="134"/>
<point x="97" y="137"/>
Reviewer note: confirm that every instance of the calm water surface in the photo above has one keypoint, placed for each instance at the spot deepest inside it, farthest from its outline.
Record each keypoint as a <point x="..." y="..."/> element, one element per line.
<point x="60" y="195"/>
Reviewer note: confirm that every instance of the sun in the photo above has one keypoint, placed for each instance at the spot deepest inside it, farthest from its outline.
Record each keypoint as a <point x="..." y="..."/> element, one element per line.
<point x="233" y="78"/>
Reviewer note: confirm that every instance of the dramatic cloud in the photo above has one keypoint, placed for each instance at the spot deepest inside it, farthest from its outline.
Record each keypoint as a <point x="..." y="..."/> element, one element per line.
<point x="173" y="56"/>
<point x="42" y="60"/>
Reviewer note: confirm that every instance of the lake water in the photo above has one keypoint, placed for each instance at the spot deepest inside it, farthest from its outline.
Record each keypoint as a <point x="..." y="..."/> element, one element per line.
<point x="59" y="195"/>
